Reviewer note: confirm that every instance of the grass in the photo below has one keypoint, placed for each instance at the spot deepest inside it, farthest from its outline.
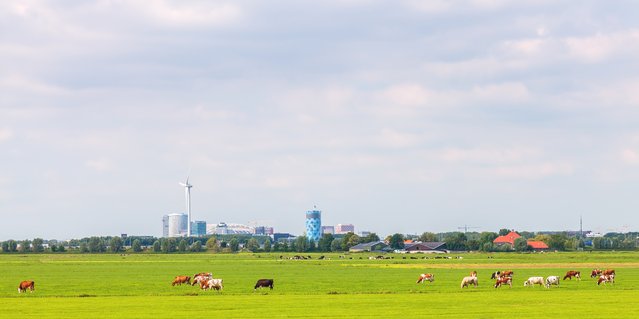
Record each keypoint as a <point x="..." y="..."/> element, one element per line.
<point x="138" y="286"/>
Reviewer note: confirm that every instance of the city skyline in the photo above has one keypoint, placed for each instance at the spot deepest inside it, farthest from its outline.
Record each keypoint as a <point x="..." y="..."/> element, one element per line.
<point x="398" y="117"/>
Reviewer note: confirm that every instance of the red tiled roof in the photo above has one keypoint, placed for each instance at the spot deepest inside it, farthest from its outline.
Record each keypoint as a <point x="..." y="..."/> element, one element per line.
<point x="537" y="244"/>
<point x="508" y="238"/>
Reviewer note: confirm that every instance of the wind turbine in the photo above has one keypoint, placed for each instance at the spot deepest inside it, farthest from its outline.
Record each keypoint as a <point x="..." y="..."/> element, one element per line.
<point x="187" y="192"/>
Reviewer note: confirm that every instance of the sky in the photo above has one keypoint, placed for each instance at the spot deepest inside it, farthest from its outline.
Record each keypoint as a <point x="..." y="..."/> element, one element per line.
<point x="396" y="116"/>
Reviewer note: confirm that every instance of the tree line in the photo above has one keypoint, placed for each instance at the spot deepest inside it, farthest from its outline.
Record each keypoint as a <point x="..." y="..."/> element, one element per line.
<point x="456" y="241"/>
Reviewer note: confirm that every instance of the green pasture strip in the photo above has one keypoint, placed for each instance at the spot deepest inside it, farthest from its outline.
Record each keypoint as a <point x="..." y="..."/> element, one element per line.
<point x="470" y="304"/>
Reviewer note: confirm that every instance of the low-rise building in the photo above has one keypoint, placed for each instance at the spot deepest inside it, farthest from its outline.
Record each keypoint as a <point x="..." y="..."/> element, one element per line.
<point x="374" y="246"/>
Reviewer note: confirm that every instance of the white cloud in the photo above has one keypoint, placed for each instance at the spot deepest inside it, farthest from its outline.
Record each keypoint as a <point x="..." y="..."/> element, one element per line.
<point x="180" y="14"/>
<point x="5" y="134"/>
<point x="100" y="165"/>
<point x="395" y="139"/>
<point x="489" y="155"/>
<point x="534" y="171"/>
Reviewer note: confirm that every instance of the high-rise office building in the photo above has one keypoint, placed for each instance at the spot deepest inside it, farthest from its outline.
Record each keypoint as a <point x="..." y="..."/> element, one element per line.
<point x="313" y="225"/>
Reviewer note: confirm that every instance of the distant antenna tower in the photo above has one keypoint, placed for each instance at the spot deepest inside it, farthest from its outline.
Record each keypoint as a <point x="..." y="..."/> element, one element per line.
<point x="187" y="192"/>
<point x="581" y="226"/>
<point x="466" y="227"/>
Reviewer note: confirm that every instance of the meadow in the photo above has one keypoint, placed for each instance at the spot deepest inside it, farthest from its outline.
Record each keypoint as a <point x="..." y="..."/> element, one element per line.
<point x="139" y="286"/>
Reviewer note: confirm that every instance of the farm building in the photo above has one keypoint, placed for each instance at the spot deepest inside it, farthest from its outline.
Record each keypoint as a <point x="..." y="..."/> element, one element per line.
<point x="506" y="239"/>
<point x="537" y="245"/>
<point x="426" y="247"/>
<point x="374" y="246"/>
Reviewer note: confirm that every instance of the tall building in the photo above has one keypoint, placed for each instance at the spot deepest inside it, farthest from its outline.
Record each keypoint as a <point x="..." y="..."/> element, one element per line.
<point x="198" y="228"/>
<point x="165" y="226"/>
<point x="313" y="225"/>
<point x="177" y="225"/>
<point x="328" y="230"/>
<point x="344" y="228"/>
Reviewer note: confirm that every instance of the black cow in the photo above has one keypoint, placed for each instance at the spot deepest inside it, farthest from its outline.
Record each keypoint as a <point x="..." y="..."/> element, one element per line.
<point x="264" y="283"/>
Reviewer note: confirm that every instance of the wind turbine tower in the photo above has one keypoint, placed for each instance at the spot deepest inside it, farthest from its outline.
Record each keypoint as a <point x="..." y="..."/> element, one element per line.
<point x="187" y="192"/>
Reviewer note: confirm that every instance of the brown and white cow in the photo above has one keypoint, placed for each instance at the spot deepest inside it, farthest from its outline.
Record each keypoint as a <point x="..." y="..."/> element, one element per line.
<point x="573" y="273"/>
<point x="470" y="280"/>
<point x="504" y="281"/>
<point x="606" y="278"/>
<point x="27" y="284"/>
<point x="212" y="284"/>
<point x="201" y="277"/>
<point x="595" y="273"/>
<point x="425" y="277"/>
<point x="608" y="272"/>
<point x="499" y="274"/>
<point x="179" y="280"/>
<point x="552" y="280"/>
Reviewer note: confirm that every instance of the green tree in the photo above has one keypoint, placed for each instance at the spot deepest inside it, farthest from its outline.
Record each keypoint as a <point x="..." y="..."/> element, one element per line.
<point x="157" y="247"/>
<point x="252" y="245"/>
<point x="349" y="240"/>
<point x="196" y="247"/>
<point x="182" y="246"/>
<point x="557" y="241"/>
<point x="396" y="241"/>
<point x="5" y="247"/>
<point x="234" y="244"/>
<point x="53" y="248"/>
<point x="324" y="244"/>
<point x="38" y="245"/>
<point x="456" y="241"/>
<point x="167" y="245"/>
<point x="25" y="246"/>
<point x="336" y="244"/>
<point x="115" y="244"/>
<point x="61" y="248"/>
<point x="301" y="244"/>
<point x="13" y="245"/>
<point x="487" y="246"/>
<point x="96" y="245"/>
<point x="521" y="244"/>
<point x="84" y="248"/>
<point x="369" y="238"/>
<point x="213" y="245"/>
<point x="136" y="246"/>
<point x="428" y="237"/>
<point x="504" y="231"/>
<point x="311" y="246"/>
<point x="487" y="237"/>
<point x="267" y="245"/>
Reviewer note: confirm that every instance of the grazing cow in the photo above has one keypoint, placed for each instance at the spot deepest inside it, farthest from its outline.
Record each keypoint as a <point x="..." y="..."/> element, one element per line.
<point x="264" y="283"/>
<point x="495" y="275"/>
<point x="27" y="284"/>
<point x="507" y="273"/>
<point x="552" y="280"/>
<point x="534" y="281"/>
<point x="504" y="281"/>
<point x="201" y="277"/>
<point x="608" y="272"/>
<point x="425" y="277"/>
<point x="499" y="274"/>
<point x="467" y="281"/>
<point x="212" y="284"/>
<point x="573" y="273"/>
<point x="605" y="279"/>
<point x="179" y="280"/>
<point x="595" y="273"/>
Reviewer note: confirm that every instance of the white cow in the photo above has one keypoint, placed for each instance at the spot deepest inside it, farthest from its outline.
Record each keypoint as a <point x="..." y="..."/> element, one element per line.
<point x="605" y="279"/>
<point x="552" y="280"/>
<point x="425" y="277"/>
<point x="534" y="281"/>
<point x="200" y="278"/>
<point x="212" y="284"/>
<point x="467" y="281"/>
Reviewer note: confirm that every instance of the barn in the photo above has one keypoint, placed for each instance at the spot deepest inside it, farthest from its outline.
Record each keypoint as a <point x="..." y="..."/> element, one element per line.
<point x="374" y="246"/>
<point x="426" y="247"/>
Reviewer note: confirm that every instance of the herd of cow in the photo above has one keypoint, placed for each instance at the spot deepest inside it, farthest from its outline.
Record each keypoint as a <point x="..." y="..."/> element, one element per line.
<point x="506" y="278"/>
<point x="207" y="282"/>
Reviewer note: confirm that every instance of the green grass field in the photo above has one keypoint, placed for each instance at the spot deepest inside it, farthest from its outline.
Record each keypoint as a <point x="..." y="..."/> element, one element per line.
<point x="138" y="286"/>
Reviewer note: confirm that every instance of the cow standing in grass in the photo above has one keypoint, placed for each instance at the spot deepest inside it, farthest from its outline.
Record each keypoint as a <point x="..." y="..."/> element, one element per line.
<point x="534" y="281"/>
<point x="504" y="281"/>
<point x="264" y="283"/>
<point x="216" y="284"/>
<point x="606" y="278"/>
<point x="552" y="280"/>
<point x="425" y="277"/>
<point x="201" y="277"/>
<point x="470" y="280"/>
<point x="573" y="273"/>
<point x="179" y="280"/>
<point x="27" y="284"/>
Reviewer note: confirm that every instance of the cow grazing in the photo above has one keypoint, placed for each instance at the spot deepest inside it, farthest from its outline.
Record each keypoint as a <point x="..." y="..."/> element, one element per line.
<point x="573" y="273"/>
<point x="504" y="281"/>
<point x="596" y="273"/>
<point x="212" y="284"/>
<point x="201" y="277"/>
<point x="608" y="272"/>
<point x="534" y="281"/>
<point x="495" y="275"/>
<point x="27" y="284"/>
<point x="606" y="278"/>
<point x="552" y="280"/>
<point x="499" y="274"/>
<point x="470" y="280"/>
<point x="425" y="277"/>
<point x="179" y="280"/>
<point x="264" y="283"/>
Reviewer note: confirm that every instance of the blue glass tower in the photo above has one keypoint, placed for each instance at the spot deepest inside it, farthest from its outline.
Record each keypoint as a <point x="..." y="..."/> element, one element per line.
<point x="313" y="225"/>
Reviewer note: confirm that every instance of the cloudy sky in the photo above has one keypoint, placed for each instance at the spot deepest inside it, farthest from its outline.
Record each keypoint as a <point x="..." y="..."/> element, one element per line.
<point x="396" y="116"/>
